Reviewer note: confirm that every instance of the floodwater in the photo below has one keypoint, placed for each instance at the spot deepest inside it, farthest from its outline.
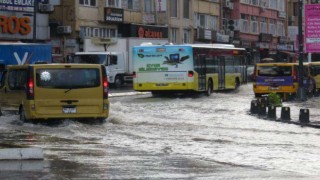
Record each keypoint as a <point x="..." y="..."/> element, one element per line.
<point x="170" y="138"/>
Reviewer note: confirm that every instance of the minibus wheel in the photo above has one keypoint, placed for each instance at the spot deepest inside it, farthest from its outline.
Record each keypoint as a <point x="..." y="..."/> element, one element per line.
<point x="22" y="115"/>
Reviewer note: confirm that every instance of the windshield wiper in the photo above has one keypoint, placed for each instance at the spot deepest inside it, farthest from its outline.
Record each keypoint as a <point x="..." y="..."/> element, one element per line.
<point x="68" y="90"/>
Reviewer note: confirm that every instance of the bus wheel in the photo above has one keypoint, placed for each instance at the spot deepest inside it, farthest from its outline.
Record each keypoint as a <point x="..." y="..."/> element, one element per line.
<point x="237" y="83"/>
<point x="209" y="89"/>
<point x="257" y="95"/>
<point x="156" y="94"/>
<point x="316" y="92"/>
<point x="118" y="82"/>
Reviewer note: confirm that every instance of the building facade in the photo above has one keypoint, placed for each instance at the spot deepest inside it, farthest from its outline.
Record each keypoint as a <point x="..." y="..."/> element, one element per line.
<point x="263" y="27"/>
<point x="260" y="26"/>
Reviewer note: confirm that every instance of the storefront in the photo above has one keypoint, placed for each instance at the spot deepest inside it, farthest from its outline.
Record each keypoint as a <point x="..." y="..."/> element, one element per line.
<point x="143" y="31"/>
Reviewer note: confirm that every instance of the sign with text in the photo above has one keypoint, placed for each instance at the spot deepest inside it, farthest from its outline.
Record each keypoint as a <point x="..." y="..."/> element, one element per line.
<point x="113" y="15"/>
<point x="17" y="5"/>
<point x="312" y="27"/>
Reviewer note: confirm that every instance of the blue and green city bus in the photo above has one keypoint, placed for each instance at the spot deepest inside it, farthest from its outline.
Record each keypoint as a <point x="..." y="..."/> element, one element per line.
<point x="188" y="67"/>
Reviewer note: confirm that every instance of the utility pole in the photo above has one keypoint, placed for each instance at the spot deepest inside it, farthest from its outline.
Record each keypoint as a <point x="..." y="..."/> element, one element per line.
<point x="301" y="91"/>
<point x="35" y="10"/>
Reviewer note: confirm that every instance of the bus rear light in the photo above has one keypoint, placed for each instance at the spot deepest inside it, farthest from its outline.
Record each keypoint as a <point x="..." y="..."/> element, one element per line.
<point x="30" y="90"/>
<point x="190" y="73"/>
<point x="235" y="52"/>
<point x="134" y="75"/>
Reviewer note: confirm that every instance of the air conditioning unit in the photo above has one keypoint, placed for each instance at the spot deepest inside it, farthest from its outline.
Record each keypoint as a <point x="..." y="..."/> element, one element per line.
<point x="231" y="5"/>
<point x="292" y="18"/>
<point x="227" y="3"/>
<point x="46" y="7"/>
<point x="64" y="29"/>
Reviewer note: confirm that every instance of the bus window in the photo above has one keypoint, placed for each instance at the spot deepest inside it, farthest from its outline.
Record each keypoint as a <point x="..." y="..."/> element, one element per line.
<point x="229" y="64"/>
<point x="89" y="59"/>
<point x="113" y="59"/>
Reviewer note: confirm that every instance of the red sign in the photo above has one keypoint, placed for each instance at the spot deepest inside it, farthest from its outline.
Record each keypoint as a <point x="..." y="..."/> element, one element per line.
<point x="14" y="25"/>
<point x="147" y="33"/>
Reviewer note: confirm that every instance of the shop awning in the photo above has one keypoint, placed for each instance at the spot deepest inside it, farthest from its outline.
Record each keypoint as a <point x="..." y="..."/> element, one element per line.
<point x="291" y="54"/>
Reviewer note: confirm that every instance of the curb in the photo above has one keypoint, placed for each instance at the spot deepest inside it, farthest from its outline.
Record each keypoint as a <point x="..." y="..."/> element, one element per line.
<point x="18" y="165"/>
<point x="32" y="153"/>
<point x="127" y="94"/>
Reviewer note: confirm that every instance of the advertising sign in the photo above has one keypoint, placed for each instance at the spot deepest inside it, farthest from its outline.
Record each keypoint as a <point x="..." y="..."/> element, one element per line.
<point x="312" y="27"/>
<point x="113" y="15"/>
<point x="162" y="59"/>
<point x="17" y="5"/>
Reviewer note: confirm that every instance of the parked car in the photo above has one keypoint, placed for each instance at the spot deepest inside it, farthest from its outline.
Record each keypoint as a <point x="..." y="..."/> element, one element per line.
<point x="55" y="91"/>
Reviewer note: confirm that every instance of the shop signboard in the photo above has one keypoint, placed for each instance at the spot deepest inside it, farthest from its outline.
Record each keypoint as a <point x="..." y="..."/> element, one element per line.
<point x="312" y="27"/>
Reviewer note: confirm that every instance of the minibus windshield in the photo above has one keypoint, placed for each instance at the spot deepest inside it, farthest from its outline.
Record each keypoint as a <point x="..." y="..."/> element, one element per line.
<point x="274" y="70"/>
<point x="68" y="78"/>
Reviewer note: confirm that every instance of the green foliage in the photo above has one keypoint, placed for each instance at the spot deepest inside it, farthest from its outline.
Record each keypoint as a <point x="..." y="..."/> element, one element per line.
<point x="274" y="99"/>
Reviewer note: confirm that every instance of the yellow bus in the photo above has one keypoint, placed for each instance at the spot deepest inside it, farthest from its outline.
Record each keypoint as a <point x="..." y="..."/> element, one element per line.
<point x="315" y="73"/>
<point x="188" y="68"/>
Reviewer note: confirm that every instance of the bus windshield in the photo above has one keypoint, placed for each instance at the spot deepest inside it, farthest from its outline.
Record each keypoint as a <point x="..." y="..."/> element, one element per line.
<point x="274" y="70"/>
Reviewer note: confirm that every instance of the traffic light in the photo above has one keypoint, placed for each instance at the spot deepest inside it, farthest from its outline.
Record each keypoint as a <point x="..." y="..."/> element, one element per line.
<point x="231" y="25"/>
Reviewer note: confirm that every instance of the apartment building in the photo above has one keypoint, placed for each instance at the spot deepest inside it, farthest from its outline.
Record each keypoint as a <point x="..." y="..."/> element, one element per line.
<point x="260" y="26"/>
<point x="206" y="22"/>
<point x="264" y="27"/>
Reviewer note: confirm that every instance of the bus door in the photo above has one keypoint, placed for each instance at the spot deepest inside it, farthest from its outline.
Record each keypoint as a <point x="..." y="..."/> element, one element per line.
<point x="221" y="73"/>
<point x="243" y="69"/>
<point x="202" y="72"/>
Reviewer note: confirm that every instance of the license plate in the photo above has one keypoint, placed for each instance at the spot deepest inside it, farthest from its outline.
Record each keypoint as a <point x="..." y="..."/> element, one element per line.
<point x="274" y="88"/>
<point x="69" y="110"/>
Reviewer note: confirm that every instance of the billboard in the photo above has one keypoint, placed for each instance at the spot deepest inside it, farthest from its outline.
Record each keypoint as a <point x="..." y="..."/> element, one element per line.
<point x="17" y="5"/>
<point x="312" y="27"/>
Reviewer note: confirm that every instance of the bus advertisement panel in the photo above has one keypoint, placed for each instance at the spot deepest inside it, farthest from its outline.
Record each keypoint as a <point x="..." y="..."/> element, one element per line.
<point x="162" y="68"/>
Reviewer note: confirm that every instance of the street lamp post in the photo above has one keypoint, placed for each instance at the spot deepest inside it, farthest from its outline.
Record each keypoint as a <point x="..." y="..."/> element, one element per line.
<point x="35" y="10"/>
<point x="301" y="91"/>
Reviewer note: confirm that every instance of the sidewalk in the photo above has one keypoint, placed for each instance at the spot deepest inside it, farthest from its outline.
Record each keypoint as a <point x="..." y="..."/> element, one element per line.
<point x="15" y="152"/>
<point x="304" y="114"/>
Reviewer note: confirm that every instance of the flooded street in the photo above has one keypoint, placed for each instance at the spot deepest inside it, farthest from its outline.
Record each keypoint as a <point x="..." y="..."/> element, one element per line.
<point x="170" y="138"/>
